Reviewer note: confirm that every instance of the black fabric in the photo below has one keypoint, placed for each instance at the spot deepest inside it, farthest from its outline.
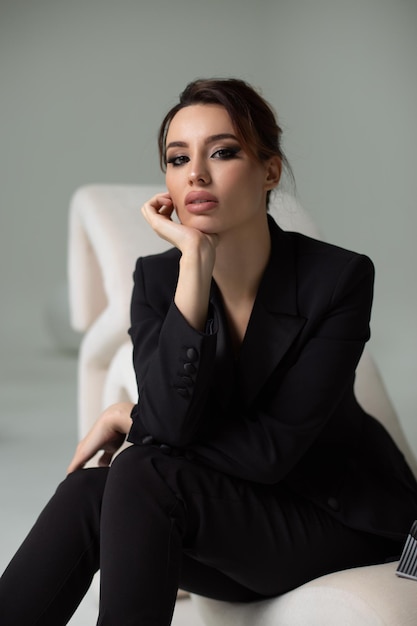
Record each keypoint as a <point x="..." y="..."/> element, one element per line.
<point x="285" y="410"/>
<point x="248" y="476"/>
<point x="54" y="567"/>
<point x="165" y="522"/>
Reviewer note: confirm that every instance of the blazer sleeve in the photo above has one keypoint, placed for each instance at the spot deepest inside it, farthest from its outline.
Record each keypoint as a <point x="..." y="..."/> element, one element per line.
<point x="173" y="364"/>
<point x="266" y="442"/>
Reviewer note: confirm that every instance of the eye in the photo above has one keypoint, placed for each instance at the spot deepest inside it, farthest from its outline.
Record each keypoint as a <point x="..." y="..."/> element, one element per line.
<point x="226" y="153"/>
<point x="178" y="160"/>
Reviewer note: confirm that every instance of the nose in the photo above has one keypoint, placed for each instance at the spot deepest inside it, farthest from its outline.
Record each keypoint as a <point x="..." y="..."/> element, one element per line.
<point x="198" y="173"/>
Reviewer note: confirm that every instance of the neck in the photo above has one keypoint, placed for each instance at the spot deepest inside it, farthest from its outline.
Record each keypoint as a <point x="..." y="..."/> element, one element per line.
<point x="241" y="259"/>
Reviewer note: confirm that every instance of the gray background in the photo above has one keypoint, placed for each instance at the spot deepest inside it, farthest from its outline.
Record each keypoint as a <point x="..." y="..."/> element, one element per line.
<point x="84" y="85"/>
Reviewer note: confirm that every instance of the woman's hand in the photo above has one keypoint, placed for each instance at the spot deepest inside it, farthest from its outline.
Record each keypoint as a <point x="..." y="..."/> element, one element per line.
<point x="198" y="254"/>
<point x="108" y="434"/>
<point x="158" y="213"/>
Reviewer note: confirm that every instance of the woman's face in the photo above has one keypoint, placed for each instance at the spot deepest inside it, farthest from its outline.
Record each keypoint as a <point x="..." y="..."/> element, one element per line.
<point x="215" y="186"/>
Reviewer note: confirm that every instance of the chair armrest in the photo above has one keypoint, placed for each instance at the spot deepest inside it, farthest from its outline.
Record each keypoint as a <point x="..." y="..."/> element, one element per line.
<point x="106" y="235"/>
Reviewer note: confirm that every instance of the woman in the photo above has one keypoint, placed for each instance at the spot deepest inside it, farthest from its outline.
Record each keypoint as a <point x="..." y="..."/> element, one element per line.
<point x="253" y="469"/>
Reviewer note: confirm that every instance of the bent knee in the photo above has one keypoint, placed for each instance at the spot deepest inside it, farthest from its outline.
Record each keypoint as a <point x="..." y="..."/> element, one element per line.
<point x="88" y="483"/>
<point x="135" y="458"/>
<point x="140" y="469"/>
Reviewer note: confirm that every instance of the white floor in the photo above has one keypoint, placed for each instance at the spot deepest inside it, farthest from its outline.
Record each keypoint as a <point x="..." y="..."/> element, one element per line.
<point x="37" y="438"/>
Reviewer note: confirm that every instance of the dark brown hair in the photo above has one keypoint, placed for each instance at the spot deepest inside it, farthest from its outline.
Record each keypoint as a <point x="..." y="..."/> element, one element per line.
<point x="253" y="118"/>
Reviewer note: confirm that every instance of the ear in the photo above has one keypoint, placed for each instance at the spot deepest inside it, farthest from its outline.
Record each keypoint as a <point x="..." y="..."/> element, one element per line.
<point x="273" y="169"/>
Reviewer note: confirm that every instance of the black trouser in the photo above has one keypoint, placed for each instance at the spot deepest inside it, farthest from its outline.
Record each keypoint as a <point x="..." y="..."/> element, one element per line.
<point x="153" y="523"/>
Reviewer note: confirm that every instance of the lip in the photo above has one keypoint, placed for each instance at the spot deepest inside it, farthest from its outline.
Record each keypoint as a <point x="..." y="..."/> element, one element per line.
<point x="200" y="201"/>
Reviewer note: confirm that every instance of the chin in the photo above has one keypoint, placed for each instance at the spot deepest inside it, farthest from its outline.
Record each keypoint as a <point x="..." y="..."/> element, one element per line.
<point x="204" y="223"/>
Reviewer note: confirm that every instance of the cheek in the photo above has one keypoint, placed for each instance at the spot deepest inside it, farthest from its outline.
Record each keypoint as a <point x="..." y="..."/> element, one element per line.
<point x="169" y="183"/>
<point x="230" y="181"/>
<point x="238" y="175"/>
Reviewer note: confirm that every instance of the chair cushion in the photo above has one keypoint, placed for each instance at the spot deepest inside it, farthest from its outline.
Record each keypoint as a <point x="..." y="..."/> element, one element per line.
<point x="363" y="596"/>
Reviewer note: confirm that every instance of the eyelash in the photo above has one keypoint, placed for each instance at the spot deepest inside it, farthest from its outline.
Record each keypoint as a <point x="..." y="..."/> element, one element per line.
<point x="227" y="153"/>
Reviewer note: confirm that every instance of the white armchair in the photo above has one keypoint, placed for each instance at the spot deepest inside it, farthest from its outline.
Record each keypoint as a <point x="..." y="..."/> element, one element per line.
<point x="106" y="235"/>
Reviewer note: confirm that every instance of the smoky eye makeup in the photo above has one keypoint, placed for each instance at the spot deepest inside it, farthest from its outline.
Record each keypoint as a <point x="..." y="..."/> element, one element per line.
<point x="227" y="152"/>
<point x="224" y="153"/>
<point x="176" y="160"/>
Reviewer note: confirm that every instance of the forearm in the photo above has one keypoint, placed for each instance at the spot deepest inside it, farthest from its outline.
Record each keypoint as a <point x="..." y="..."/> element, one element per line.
<point x="198" y="253"/>
<point x="174" y="365"/>
<point x="193" y="287"/>
<point x="118" y="416"/>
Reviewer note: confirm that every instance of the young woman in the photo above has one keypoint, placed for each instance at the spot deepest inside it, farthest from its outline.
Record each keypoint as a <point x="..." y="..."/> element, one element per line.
<point x="253" y="469"/>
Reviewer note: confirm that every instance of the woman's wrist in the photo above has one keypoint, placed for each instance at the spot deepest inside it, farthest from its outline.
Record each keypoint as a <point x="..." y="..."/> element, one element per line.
<point x="193" y="288"/>
<point x="118" y="416"/>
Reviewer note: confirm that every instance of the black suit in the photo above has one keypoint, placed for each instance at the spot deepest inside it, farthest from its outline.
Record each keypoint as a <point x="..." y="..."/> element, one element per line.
<point x="251" y="475"/>
<point x="285" y="411"/>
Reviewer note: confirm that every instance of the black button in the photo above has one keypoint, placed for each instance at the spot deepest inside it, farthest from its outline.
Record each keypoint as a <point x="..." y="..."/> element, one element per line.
<point x="183" y="392"/>
<point x="192" y="354"/>
<point x="333" y="503"/>
<point x="189" y="368"/>
<point x="147" y="440"/>
<point x="165" y="449"/>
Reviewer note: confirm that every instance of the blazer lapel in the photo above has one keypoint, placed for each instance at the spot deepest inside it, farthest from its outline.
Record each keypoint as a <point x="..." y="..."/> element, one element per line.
<point x="274" y="324"/>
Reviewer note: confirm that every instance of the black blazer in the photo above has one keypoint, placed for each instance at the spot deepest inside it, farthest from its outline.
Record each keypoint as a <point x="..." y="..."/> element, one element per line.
<point x="284" y="409"/>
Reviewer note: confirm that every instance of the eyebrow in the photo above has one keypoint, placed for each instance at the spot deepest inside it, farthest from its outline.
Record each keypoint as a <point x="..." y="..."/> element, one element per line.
<point x="208" y="140"/>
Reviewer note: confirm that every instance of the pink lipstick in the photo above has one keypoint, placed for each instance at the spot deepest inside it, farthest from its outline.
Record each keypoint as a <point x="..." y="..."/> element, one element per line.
<point x="200" y="201"/>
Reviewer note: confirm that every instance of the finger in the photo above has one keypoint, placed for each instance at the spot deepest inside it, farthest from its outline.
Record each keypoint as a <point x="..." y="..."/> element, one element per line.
<point x="153" y="211"/>
<point x="83" y="453"/>
<point x="163" y="225"/>
<point x="74" y="465"/>
<point x="157" y="202"/>
<point x="166" y="210"/>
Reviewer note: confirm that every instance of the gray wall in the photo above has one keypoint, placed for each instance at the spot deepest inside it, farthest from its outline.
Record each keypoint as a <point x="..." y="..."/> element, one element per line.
<point x="84" y="85"/>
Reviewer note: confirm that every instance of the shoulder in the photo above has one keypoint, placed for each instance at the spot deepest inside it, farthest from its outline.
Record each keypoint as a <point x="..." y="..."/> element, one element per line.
<point x="329" y="276"/>
<point x="315" y="257"/>
<point x="311" y="251"/>
<point x="317" y="274"/>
